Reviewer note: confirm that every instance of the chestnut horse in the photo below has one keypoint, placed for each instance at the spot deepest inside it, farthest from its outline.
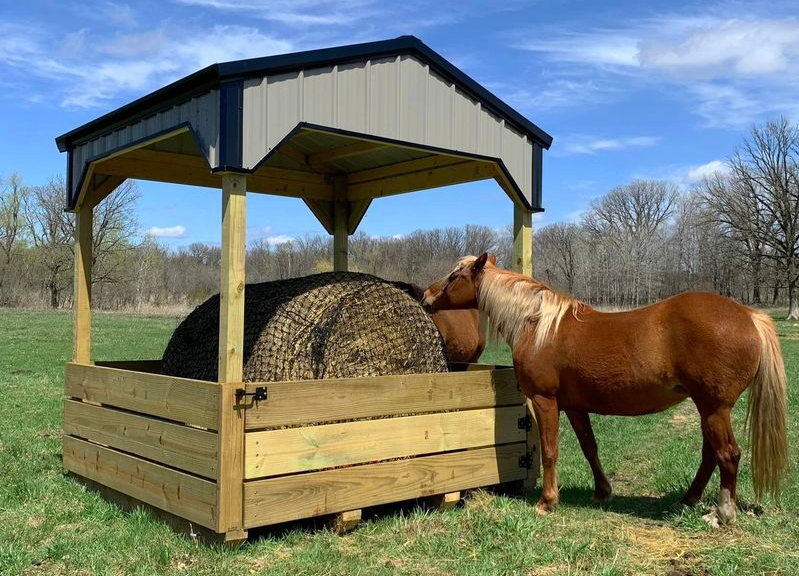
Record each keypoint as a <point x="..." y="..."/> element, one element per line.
<point x="568" y="356"/>
<point x="460" y="329"/>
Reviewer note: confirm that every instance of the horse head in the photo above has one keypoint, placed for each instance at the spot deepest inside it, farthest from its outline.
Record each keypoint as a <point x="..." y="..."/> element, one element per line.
<point x="457" y="290"/>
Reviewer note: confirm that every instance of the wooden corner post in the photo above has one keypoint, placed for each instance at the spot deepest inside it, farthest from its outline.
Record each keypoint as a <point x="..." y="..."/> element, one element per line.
<point x="82" y="298"/>
<point x="523" y="240"/>
<point x="341" y="209"/>
<point x="230" y="435"/>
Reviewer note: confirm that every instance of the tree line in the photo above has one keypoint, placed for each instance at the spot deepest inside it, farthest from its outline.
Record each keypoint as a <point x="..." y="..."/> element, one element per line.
<point x="735" y="233"/>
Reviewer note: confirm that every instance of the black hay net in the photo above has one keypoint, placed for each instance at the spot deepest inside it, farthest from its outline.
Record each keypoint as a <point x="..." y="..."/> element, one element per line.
<point x="331" y="325"/>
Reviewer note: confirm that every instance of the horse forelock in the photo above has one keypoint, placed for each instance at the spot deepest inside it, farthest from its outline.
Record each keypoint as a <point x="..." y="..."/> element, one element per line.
<point x="511" y="302"/>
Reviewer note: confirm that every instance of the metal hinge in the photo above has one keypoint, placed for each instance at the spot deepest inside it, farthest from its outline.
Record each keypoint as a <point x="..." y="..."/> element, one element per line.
<point x="526" y="423"/>
<point x="526" y="461"/>
<point x="258" y="395"/>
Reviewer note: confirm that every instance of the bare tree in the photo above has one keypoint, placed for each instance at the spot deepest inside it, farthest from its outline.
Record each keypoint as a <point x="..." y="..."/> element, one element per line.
<point x="561" y="243"/>
<point x="12" y="199"/>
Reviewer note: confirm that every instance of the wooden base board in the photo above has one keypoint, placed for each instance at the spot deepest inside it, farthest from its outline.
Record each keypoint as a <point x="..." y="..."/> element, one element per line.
<point x="443" y="501"/>
<point x="176" y="523"/>
<point x="344" y="522"/>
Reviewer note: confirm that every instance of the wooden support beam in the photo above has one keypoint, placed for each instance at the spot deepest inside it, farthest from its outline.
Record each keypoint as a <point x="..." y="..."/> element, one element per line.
<point x="323" y="210"/>
<point x="102" y="186"/>
<point x="358" y="210"/>
<point x="82" y="299"/>
<point x="443" y="501"/>
<point x="322" y="159"/>
<point x="468" y="171"/>
<point x="231" y="347"/>
<point x="341" y="209"/>
<point x="291" y="151"/>
<point x="344" y="522"/>
<point x="523" y="240"/>
<point x="402" y="168"/>
<point x="194" y="170"/>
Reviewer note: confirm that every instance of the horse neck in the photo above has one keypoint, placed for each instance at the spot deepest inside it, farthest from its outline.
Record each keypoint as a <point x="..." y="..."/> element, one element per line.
<point x="512" y="302"/>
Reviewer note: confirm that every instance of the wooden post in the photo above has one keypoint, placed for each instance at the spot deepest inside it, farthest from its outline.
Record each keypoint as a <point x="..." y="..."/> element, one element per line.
<point x="82" y="299"/>
<point x="230" y="488"/>
<point x="346" y="521"/>
<point x="523" y="240"/>
<point x="340" y="224"/>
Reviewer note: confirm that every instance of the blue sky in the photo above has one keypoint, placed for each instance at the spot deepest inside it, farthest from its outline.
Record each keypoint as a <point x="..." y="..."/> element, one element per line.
<point x="628" y="89"/>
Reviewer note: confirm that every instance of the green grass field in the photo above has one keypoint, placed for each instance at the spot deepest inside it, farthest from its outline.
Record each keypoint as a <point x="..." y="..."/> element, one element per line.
<point x="49" y="524"/>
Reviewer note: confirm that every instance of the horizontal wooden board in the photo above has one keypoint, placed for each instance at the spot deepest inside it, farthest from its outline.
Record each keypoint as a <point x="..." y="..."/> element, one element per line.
<point x="181" y="494"/>
<point x="306" y="495"/>
<point x="349" y="398"/>
<point x="179" y="399"/>
<point x="175" y="445"/>
<point x="275" y="452"/>
<point x="152" y="366"/>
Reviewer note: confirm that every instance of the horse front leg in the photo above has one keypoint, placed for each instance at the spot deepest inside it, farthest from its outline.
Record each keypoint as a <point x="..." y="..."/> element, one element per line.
<point x="581" y="423"/>
<point x="547" y="415"/>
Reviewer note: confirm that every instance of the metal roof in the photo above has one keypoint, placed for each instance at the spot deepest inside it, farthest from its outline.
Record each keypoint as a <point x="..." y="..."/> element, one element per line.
<point x="215" y="75"/>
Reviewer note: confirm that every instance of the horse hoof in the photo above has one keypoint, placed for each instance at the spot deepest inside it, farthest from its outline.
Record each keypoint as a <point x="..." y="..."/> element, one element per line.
<point x="602" y="497"/>
<point x="690" y="502"/>
<point x="542" y="509"/>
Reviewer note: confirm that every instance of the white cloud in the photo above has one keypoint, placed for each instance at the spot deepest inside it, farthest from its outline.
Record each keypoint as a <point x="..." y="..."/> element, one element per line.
<point x="279" y="239"/>
<point x="732" y="69"/>
<point x="166" y="232"/>
<point x="91" y="73"/>
<point x="579" y="144"/>
<point x="294" y="12"/>
<point x="697" y="173"/>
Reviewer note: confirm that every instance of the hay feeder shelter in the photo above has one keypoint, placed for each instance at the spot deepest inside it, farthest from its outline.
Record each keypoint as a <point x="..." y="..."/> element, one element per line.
<point x="337" y="128"/>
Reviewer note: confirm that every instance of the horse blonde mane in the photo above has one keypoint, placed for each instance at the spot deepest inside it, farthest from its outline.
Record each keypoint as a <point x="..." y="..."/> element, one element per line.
<point x="510" y="302"/>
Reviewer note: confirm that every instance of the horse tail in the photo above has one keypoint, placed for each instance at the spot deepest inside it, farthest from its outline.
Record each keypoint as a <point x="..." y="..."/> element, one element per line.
<point x="766" y="416"/>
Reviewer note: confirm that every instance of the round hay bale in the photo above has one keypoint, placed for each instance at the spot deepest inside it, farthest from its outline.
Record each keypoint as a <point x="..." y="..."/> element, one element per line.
<point x="332" y="325"/>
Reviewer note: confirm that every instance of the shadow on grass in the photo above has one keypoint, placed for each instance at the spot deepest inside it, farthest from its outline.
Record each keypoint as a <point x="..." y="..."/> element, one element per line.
<point x="647" y="507"/>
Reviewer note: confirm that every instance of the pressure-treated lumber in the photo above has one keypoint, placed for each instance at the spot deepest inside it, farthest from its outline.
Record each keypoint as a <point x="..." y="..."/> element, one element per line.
<point x="231" y="353"/>
<point x="346" y="521"/>
<point x="189" y="169"/>
<point x="182" y="494"/>
<point x="469" y="171"/>
<point x="179" y="399"/>
<point x="341" y="209"/>
<point x="402" y="168"/>
<point x="523" y="240"/>
<point x="231" y="293"/>
<point x="291" y="450"/>
<point x="231" y="461"/>
<point x="349" y="398"/>
<point x="306" y="495"/>
<point x="82" y="299"/>
<point x="443" y="501"/>
<point x="174" y="445"/>
<point x="151" y="366"/>
<point x="322" y="159"/>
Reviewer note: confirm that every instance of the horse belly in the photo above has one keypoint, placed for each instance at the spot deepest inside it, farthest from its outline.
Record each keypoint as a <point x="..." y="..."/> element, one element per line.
<point x="621" y="399"/>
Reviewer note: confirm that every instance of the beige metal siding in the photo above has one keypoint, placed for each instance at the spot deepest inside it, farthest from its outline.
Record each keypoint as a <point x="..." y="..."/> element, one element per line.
<point x="397" y="97"/>
<point x="202" y="113"/>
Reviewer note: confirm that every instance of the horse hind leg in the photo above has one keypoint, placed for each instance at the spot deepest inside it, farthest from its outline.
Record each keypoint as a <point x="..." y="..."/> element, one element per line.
<point x="581" y="422"/>
<point x="705" y="471"/>
<point x="728" y="454"/>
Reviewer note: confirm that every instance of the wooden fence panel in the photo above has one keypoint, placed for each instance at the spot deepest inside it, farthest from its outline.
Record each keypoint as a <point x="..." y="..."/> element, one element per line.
<point x="305" y="495"/>
<point x="180" y="399"/>
<point x="175" y="445"/>
<point x="275" y="452"/>
<point x="181" y="494"/>
<point x="316" y="401"/>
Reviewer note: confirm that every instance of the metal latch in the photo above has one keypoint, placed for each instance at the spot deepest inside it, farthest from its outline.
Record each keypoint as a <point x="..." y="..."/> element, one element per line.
<point x="526" y="423"/>
<point x="526" y="461"/>
<point x="258" y="395"/>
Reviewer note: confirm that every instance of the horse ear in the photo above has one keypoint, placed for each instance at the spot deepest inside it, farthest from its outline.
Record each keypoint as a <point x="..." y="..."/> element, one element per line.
<point x="493" y="259"/>
<point x="479" y="263"/>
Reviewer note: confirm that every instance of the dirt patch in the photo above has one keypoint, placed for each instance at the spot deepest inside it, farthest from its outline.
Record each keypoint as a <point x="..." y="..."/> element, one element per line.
<point x="685" y="414"/>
